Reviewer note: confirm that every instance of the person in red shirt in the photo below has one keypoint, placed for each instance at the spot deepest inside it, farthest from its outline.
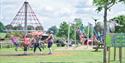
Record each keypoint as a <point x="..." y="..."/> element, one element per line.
<point x="26" y="43"/>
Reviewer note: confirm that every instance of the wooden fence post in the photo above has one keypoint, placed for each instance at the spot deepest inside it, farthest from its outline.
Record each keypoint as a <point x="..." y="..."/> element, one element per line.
<point x="109" y="55"/>
<point x="114" y="53"/>
<point x="120" y="54"/>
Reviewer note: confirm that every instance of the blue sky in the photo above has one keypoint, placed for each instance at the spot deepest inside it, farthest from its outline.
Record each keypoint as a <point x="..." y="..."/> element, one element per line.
<point x="53" y="12"/>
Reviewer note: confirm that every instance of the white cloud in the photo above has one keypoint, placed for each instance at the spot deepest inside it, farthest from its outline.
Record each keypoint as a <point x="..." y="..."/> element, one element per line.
<point x="116" y="10"/>
<point x="53" y="12"/>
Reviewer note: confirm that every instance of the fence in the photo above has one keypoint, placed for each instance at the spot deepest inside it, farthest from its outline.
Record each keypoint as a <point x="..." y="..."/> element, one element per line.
<point x="115" y="40"/>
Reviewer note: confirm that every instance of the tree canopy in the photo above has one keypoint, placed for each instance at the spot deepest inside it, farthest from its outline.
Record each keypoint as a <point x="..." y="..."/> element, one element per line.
<point x="54" y="29"/>
<point x="2" y="27"/>
<point x="63" y="30"/>
<point x="121" y="21"/>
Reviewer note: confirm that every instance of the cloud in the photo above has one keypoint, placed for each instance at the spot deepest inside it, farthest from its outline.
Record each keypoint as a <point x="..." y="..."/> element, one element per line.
<point x="116" y="10"/>
<point x="53" y="12"/>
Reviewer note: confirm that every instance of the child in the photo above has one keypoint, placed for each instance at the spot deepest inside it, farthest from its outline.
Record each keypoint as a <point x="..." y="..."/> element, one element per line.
<point x="14" y="40"/>
<point x="26" y="43"/>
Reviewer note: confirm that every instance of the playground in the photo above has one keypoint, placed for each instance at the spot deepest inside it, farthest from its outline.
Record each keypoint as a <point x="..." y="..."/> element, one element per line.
<point x="63" y="34"/>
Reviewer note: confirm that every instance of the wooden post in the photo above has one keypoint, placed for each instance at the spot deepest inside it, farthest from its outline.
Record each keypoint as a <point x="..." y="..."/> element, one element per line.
<point x="114" y="53"/>
<point x="120" y="54"/>
<point x="1" y="46"/>
<point x="109" y="55"/>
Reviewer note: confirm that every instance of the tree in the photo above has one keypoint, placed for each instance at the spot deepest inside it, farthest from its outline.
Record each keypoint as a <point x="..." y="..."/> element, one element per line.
<point x="53" y="29"/>
<point x="120" y="27"/>
<point x="72" y="31"/>
<point x="9" y="26"/>
<point x="39" y="28"/>
<point x="78" y="22"/>
<point x="2" y="27"/>
<point x="18" y="27"/>
<point x="30" y="27"/>
<point x="63" y="30"/>
<point x="15" y="33"/>
<point x="106" y="5"/>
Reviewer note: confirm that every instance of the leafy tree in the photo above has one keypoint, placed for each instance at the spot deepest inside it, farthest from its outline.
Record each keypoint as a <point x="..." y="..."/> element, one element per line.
<point x="30" y="27"/>
<point x="2" y="27"/>
<point x="72" y="31"/>
<point x="54" y="29"/>
<point x="121" y="21"/>
<point x="15" y="33"/>
<point x="9" y="26"/>
<point x="39" y="28"/>
<point x="106" y="5"/>
<point x="63" y="30"/>
<point x="18" y="27"/>
<point x="78" y="22"/>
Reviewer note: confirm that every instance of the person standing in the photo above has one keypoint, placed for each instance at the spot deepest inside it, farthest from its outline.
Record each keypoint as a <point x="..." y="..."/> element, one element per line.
<point x="50" y="41"/>
<point x="36" y="41"/>
<point x="26" y="43"/>
<point x="14" y="40"/>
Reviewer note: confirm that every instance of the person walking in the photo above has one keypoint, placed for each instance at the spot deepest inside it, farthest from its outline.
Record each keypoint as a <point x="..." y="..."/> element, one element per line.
<point x="36" y="41"/>
<point x="26" y="43"/>
<point x="14" y="40"/>
<point x="50" y="41"/>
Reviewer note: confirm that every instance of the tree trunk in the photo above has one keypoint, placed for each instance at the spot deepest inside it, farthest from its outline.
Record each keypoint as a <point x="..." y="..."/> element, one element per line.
<point x="105" y="30"/>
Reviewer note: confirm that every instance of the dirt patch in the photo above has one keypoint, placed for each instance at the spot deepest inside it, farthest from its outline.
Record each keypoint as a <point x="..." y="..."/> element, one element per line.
<point x="62" y="54"/>
<point x="76" y="48"/>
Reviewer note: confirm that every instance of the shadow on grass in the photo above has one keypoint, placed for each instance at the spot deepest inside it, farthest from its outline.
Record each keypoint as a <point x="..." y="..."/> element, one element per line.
<point x="56" y="62"/>
<point x="24" y="54"/>
<point x="96" y="51"/>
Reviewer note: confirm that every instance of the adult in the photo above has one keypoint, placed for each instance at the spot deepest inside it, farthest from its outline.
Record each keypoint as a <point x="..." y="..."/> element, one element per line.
<point x="36" y="42"/>
<point x="50" y="41"/>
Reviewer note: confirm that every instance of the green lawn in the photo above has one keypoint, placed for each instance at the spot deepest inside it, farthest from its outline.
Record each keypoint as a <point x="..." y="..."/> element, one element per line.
<point x="7" y="55"/>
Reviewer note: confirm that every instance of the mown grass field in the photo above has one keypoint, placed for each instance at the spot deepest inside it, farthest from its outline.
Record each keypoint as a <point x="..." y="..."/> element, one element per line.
<point x="8" y="55"/>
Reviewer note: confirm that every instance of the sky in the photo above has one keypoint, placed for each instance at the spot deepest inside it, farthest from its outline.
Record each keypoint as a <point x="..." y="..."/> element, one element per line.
<point x="54" y="12"/>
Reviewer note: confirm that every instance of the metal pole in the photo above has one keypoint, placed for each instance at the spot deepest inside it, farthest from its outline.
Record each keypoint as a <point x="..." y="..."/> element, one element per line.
<point x="75" y="35"/>
<point x="91" y="28"/>
<point x="25" y="22"/>
<point x="68" y="34"/>
<point x="88" y="31"/>
<point x="88" y="34"/>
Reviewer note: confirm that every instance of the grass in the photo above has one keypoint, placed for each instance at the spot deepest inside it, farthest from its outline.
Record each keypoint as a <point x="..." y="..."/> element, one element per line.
<point x="8" y="55"/>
